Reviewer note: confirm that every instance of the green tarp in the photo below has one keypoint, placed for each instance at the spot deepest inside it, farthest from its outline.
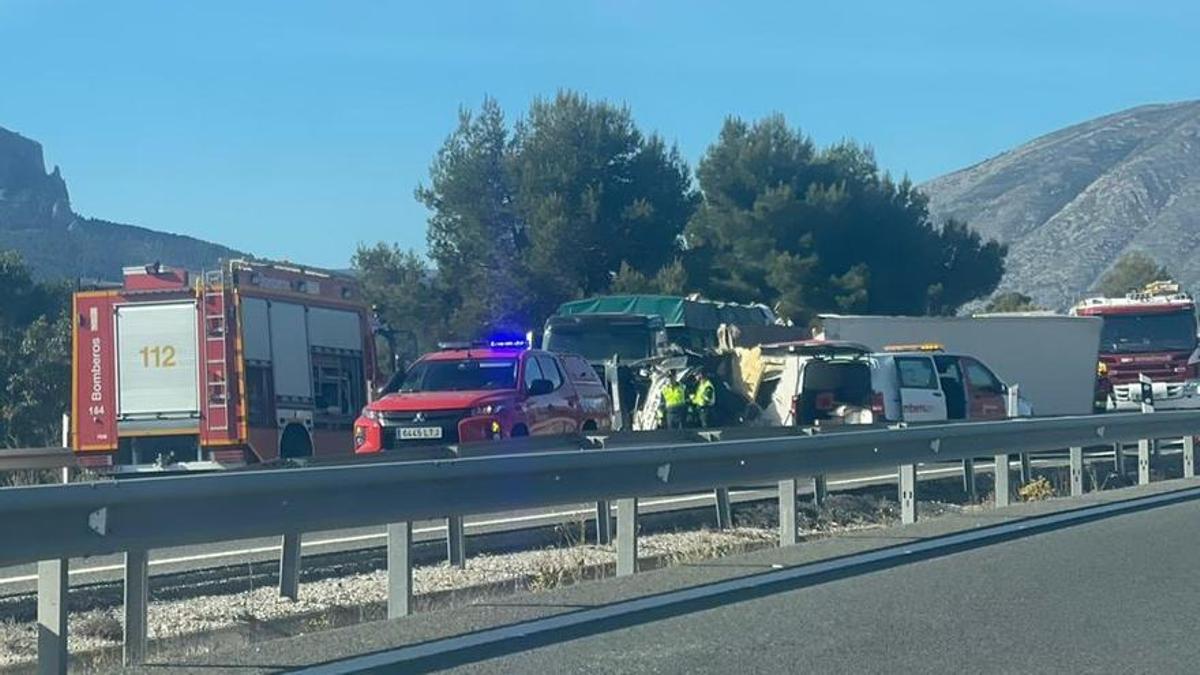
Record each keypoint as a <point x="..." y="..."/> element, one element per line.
<point x="676" y="312"/>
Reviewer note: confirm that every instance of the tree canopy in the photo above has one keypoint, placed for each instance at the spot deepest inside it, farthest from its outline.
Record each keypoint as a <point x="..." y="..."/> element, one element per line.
<point x="35" y="356"/>
<point x="574" y="199"/>
<point x="811" y="230"/>
<point x="1131" y="272"/>
<point x="551" y="210"/>
<point x="1011" y="301"/>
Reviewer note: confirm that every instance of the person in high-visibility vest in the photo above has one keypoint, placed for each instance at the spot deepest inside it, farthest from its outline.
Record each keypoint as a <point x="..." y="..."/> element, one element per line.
<point x="674" y="403"/>
<point x="704" y="398"/>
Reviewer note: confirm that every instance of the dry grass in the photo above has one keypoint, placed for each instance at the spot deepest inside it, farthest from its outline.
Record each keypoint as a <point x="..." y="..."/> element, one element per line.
<point x="1036" y="490"/>
<point x="100" y="624"/>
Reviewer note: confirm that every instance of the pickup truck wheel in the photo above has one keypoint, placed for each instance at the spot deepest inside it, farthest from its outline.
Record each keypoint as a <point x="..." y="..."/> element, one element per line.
<point x="519" y="431"/>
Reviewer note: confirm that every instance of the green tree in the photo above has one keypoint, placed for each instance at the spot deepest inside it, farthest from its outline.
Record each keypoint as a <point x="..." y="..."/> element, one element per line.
<point x="476" y="239"/>
<point x="552" y="211"/>
<point x="35" y="356"/>
<point x="595" y="193"/>
<point x="811" y="230"/>
<point x="1131" y="272"/>
<point x="1011" y="301"/>
<point x="405" y="292"/>
<point x="670" y="280"/>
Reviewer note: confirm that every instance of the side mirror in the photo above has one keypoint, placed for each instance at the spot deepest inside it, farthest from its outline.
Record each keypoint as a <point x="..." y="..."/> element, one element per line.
<point x="540" y="387"/>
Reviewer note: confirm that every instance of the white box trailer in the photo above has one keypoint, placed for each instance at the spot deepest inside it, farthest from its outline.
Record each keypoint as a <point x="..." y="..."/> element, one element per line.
<point x="1051" y="357"/>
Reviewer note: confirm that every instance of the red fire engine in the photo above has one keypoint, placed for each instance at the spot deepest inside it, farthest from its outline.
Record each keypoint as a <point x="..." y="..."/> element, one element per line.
<point x="253" y="362"/>
<point x="1151" y="332"/>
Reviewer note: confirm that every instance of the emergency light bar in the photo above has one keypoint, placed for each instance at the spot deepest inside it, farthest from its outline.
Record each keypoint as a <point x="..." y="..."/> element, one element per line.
<point x="498" y="343"/>
<point x="922" y="347"/>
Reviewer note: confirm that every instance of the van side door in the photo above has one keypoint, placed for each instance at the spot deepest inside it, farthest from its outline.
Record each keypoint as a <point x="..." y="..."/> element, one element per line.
<point x="985" y="391"/>
<point x="921" y="396"/>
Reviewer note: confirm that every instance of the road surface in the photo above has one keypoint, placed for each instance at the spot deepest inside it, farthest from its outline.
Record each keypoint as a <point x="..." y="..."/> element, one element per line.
<point x="1103" y="583"/>
<point x="1117" y="595"/>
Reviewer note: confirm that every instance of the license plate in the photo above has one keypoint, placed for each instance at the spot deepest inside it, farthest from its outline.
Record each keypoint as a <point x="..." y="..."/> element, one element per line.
<point x="418" y="433"/>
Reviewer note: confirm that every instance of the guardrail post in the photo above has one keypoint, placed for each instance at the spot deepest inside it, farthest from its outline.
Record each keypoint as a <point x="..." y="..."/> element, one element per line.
<point x="1026" y="469"/>
<point x="626" y="536"/>
<point x="724" y="510"/>
<point x="52" y="617"/>
<point x="820" y="491"/>
<point x="603" y="523"/>
<point x="1119" y="459"/>
<point x="908" y="493"/>
<point x="787" y="512"/>
<point x="456" y="542"/>
<point x="1189" y="456"/>
<point x="968" y="467"/>
<point x="289" y="566"/>
<point x="1144" y="461"/>
<point x="399" y="570"/>
<point x="1076" y="471"/>
<point x="137" y="582"/>
<point x="1002" y="475"/>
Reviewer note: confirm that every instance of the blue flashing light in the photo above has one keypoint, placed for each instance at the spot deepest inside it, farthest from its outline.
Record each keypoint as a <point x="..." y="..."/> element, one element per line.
<point x="508" y="344"/>
<point x="507" y="341"/>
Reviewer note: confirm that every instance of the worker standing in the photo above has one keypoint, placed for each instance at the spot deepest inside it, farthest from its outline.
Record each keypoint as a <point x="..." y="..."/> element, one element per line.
<point x="704" y="398"/>
<point x="674" y="402"/>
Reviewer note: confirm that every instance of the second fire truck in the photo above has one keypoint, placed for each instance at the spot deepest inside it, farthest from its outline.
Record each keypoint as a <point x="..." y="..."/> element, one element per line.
<point x="1151" y="333"/>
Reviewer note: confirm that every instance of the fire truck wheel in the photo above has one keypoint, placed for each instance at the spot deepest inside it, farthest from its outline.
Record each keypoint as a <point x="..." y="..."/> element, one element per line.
<point x="294" y="442"/>
<point x="589" y="425"/>
<point x="519" y="431"/>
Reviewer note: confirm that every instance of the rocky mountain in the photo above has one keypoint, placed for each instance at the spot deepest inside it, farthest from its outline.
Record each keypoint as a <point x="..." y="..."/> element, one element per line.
<point x="1070" y="203"/>
<point x="36" y="219"/>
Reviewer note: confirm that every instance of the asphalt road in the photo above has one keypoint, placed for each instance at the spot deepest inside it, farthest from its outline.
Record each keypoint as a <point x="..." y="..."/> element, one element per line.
<point x="1115" y="595"/>
<point x="23" y="579"/>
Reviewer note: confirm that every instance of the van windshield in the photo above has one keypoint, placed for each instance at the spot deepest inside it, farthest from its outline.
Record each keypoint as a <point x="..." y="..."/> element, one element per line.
<point x="599" y="342"/>
<point x="1131" y="333"/>
<point x="456" y="375"/>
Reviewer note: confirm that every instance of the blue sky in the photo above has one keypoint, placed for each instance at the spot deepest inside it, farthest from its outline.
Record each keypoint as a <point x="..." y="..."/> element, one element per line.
<point x="296" y="129"/>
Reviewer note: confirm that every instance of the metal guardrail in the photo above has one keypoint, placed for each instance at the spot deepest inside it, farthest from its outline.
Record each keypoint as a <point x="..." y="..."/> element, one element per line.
<point x="53" y="523"/>
<point x="20" y="459"/>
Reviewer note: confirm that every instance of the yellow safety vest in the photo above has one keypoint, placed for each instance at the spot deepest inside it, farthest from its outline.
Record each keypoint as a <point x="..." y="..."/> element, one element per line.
<point x="673" y="395"/>
<point x="705" y="395"/>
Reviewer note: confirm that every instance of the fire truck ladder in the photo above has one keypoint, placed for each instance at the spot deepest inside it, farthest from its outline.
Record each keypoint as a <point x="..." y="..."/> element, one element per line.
<point x="216" y="385"/>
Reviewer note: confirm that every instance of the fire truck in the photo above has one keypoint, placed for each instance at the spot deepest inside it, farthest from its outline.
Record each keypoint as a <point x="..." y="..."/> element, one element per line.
<point x="251" y="362"/>
<point x="1150" y="332"/>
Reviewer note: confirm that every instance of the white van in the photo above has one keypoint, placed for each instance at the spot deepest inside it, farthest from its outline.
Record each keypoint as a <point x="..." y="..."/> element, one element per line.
<point x="923" y="383"/>
<point x="815" y="383"/>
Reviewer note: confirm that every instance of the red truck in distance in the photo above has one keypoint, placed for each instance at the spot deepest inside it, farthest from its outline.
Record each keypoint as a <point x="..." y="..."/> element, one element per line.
<point x="1151" y="332"/>
<point x="476" y="392"/>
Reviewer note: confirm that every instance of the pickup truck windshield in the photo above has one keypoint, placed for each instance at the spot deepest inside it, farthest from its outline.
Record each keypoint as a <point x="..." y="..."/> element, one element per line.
<point x="599" y="343"/>
<point x="457" y="375"/>
<point x="1129" y="333"/>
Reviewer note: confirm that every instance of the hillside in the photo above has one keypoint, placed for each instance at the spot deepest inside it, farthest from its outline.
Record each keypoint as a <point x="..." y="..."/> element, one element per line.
<point x="1070" y="203"/>
<point x="36" y="219"/>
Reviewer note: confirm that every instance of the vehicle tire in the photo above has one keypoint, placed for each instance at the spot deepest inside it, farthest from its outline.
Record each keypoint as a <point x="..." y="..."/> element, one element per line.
<point x="294" y="442"/>
<point x="589" y="425"/>
<point x="519" y="431"/>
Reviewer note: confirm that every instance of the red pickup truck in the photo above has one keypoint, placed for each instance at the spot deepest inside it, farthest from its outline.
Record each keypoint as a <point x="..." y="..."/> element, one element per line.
<point x="476" y="392"/>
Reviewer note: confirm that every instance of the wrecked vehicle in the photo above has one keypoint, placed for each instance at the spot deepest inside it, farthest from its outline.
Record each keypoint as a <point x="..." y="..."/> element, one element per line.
<point x="634" y="341"/>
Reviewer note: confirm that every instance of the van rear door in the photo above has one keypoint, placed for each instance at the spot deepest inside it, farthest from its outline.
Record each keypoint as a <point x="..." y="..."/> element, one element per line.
<point x="921" y="396"/>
